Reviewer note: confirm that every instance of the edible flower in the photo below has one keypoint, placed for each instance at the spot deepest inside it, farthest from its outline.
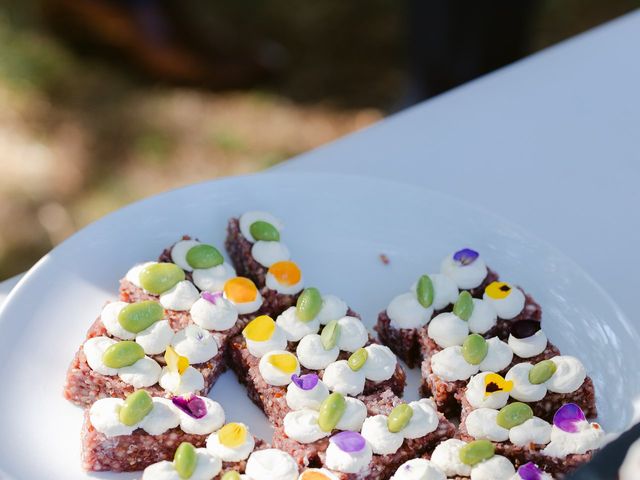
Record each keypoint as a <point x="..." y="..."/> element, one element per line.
<point x="190" y="404"/>
<point x="211" y="297"/>
<point x="349" y="442"/>
<point x="530" y="471"/>
<point x="232" y="435"/>
<point x="260" y="329"/>
<point x="175" y="361"/>
<point x="568" y="416"/>
<point x="495" y="383"/>
<point x="466" y="256"/>
<point x="305" y="382"/>
<point x="498" y="290"/>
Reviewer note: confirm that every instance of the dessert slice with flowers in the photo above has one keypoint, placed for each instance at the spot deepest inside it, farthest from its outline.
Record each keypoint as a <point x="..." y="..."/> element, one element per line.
<point x="446" y="373"/>
<point x="399" y="325"/>
<point x="558" y="448"/>
<point x="125" y="350"/>
<point x="133" y="433"/>
<point x="386" y="441"/>
<point x="253" y="244"/>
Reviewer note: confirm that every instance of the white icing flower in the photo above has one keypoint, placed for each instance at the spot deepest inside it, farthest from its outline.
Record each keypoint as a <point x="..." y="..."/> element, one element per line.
<point x="589" y="436"/>
<point x="155" y="338"/>
<point x="381" y="363"/>
<point x="424" y="420"/>
<point x="450" y="365"/>
<point x="333" y="308"/>
<point x="312" y="354"/>
<point x="447" y="330"/>
<point x="213" y="279"/>
<point x="277" y="341"/>
<point x="476" y="394"/>
<point x="377" y="434"/>
<point x="302" y="426"/>
<point x="297" y="398"/>
<point x="523" y="390"/>
<point x="190" y="381"/>
<point x="482" y="424"/>
<point x="466" y="275"/>
<point x="195" y="343"/>
<point x="535" y="430"/>
<point x="483" y="318"/>
<point x="530" y="346"/>
<point x="143" y="373"/>
<point x="249" y="218"/>
<point x="348" y="462"/>
<point x="272" y="464"/>
<point x="419" y="469"/>
<point x="447" y="457"/>
<point x="109" y="317"/>
<point x="272" y="373"/>
<point x="353" y="416"/>
<point x="405" y="311"/>
<point x="212" y="421"/>
<point x="207" y="466"/>
<point x="231" y="454"/>
<point x="219" y="316"/>
<point x="180" y="297"/>
<point x="631" y="465"/>
<point x="179" y="253"/>
<point x="339" y="377"/>
<point x="499" y="356"/>
<point x="353" y="334"/>
<point x="569" y="376"/>
<point x="268" y="253"/>
<point x="508" y="301"/>
<point x="495" y="468"/>
<point x="294" y="328"/>
<point x="104" y="416"/>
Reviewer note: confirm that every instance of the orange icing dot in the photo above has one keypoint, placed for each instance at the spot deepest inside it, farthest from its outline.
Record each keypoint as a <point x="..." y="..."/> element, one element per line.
<point x="286" y="272"/>
<point x="240" y="290"/>
<point x="285" y="362"/>
<point x="313" y="476"/>
<point x="494" y="383"/>
<point x="232" y="435"/>
<point x="498" y="290"/>
<point x="260" y="329"/>
<point x="175" y="361"/>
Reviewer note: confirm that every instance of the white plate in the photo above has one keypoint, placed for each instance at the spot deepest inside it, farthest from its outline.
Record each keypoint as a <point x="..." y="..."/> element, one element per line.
<point x="336" y="227"/>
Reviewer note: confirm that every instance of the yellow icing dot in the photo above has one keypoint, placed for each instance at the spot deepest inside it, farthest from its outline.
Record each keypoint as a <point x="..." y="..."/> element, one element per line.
<point x="285" y="362"/>
<point x="240" y="290"/>
<point x="286" y="272"/>
<point x="175" y="361"/>
<point x="232" y="435"/>
<point x="494" y="383"/>
<point x="310" y="475"/>
<point x="260" y="329"/>
<point x="498" y="290"/>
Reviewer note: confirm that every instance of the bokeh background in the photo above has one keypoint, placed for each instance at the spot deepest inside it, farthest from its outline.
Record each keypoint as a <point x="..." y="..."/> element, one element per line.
<point x="104" y="102"/>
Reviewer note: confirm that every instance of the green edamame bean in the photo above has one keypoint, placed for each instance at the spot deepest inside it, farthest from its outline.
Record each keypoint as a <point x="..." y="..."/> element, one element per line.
<point x="157" y="278"/>
<point x="137" y="317"/>
<point x="399" y="417"/>
<point x="204" y="256"/>
<point x="122" y="354"/>
<point x="309" y="304"/>
<point x="264" y="231"/>
<point x="331" y="411"/>
<point x="136" y="406"/>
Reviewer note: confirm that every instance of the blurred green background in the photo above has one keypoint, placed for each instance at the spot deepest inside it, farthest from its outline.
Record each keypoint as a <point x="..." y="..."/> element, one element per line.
<point x="95" y="115"/>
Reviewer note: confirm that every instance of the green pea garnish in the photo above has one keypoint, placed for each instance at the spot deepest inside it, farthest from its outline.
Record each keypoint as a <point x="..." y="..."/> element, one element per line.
<point x="185" y="460"/>
<point x="264" y="231"/>
<point x="331" y="411"/>
<point x="157" y="278"/>
<point x="231" y="475"/>
<point x="477" y="451"/>
<point x="475" y="349"/>
<point x="330" y="335"/>
<point x="309" y="304"/>
<point x="204" y="256"/>
<point x="137" y="317"/>
<point x="136" y="406"/>
<point x="357" y="359"/>
<point x="542" y="371"/>
<point x="514" y="414"/>
<point x="399" y="417"/>
<point x="424" y="291"/>
<point x="463" y="308"/>
<point x="122" y="354"/>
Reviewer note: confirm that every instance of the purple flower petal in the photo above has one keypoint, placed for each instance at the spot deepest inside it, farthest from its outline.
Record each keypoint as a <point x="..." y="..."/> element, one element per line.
<point x="466" y="256"/>
<point x="211" y="297"/>
<point x="350" y="442"/>
<point x="529" y="471"/>
<point x="191" y="405"/>
<point x="305" y="382"/>
<point x="568" y="416"/>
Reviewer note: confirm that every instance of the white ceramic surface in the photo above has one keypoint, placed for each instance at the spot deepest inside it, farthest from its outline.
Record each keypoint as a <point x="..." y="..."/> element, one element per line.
<point x="336" y="227"/>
